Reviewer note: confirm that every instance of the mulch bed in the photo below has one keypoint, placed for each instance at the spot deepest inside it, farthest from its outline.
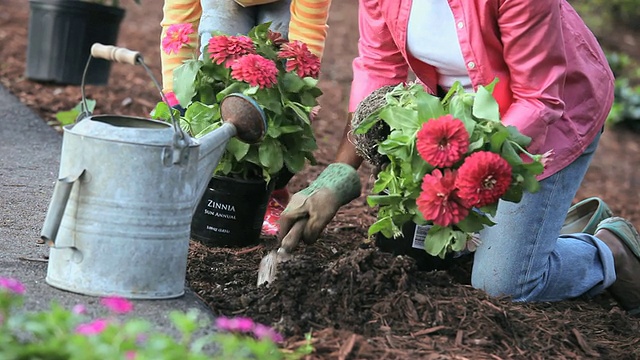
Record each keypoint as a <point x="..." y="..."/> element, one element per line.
<point x="359" y="302"/>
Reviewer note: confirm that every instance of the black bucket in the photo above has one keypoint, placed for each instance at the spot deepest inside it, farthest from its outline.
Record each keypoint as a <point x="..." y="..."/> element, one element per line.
<point x="411" y="243"/>
<point x="231" y="212"/>
<point x="61" y="33"/>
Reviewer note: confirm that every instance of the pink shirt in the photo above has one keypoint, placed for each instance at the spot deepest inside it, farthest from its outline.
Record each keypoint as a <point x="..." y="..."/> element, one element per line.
<point x="555" y="83"/>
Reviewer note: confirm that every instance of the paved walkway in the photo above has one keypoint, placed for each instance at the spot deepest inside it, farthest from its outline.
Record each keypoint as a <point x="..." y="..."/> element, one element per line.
<point x="29" y="163"/>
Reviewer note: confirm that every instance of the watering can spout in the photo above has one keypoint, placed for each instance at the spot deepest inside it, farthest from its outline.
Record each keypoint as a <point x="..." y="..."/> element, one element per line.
<point x="242" y="117"/>
<point x="58" y="204"/>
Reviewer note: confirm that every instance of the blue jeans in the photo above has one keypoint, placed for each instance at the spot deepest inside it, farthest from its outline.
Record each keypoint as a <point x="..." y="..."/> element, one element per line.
<point x="523" y="257"/>
<point x="230" y="18"/>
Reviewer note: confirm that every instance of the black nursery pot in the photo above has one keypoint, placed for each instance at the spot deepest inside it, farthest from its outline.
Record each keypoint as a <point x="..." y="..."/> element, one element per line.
<point x="231" y="212"/>
<point x="412" y="244"/>
<point x="61" y="33"/>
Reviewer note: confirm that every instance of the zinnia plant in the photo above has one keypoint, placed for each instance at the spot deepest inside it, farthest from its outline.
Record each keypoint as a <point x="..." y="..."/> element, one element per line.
<point x="281" y="76"/>
<point x="450" y="161"/>
<point x="59" y="333"/>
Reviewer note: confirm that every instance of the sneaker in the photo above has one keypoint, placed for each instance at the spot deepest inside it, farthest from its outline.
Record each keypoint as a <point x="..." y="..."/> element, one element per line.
<point x="278" y="201"/>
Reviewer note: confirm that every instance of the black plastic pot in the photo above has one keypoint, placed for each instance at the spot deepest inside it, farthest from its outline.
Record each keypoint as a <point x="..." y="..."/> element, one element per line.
<point x="61" y="33"/>
<point x="231" y="212"/>
<point x="412" y="244"/>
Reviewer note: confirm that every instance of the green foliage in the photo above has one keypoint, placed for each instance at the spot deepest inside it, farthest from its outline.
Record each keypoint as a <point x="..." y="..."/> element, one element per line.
<point x="200" y="85"/>
<point x="70" y="116"/>
<point x="60" y="334"/>
<point x="398" y="185"/>
<point x="626" y="106"/>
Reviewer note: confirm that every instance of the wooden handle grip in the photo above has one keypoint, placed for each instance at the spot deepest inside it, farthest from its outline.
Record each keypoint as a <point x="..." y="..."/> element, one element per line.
<point x="114" y="53"/>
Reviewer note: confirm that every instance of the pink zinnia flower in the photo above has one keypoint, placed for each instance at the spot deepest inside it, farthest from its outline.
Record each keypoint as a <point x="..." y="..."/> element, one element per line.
<point x="236" y="324"/>
<point x="439" y="201"/>
<point x="79" y="309"/>
<point x="177" y="36"/>
<point x="12" y="285"/>
<point x="227" y="49"/>
<point x="300" y="59"/>
<point x="263" y="331"/>
<point x="483" y="178"/>
<point x="117" y="305"/>
<point x="255" y="70"/>
<point x="95" y="327"/>
<point x="443" y="141"/>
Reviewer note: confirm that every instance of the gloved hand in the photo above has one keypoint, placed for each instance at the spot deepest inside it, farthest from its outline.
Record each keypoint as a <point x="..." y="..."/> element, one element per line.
<point x="311" y="209"/>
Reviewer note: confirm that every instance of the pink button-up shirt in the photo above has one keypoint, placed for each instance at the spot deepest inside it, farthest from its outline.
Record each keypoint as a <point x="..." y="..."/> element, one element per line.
<point x="555" y="84"/>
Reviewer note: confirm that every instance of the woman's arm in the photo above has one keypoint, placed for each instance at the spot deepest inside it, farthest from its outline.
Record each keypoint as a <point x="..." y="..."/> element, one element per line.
<point x="309" y="23"/>
<point x="534" y="51"/>
<point x="178" y="12"/>
<point x="379" y="63"/>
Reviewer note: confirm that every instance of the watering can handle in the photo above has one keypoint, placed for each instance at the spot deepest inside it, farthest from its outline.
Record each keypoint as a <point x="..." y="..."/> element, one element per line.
<point x="126" y="56"/>
<point x="117" y="54"/>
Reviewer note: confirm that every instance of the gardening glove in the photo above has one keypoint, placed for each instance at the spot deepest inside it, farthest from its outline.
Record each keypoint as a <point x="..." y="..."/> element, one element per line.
<point x="311" y="209"/>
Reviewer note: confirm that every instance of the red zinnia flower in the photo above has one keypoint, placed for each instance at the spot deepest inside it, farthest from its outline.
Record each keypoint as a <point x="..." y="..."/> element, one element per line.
<point x="439" y="201"/>
<point x="276" y="38"/>
<point x="226" y="49"/>
<point x="300" y="59"/>
<point x="177" y="36"/>
<point x="255" y="70"/>
<point x="441" y="142"/>
<point x="483" y="178"/>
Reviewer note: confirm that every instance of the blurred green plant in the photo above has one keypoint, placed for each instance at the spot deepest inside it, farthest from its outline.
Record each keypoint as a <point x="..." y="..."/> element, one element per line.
<point x="61" y="334"/>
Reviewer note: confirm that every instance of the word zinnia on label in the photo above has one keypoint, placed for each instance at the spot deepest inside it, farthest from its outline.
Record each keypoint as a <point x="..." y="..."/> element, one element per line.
<point x="221" y="206"/>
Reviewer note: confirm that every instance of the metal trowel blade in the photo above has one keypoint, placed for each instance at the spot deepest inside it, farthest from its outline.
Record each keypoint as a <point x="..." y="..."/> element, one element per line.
<point x="268" y="268"/>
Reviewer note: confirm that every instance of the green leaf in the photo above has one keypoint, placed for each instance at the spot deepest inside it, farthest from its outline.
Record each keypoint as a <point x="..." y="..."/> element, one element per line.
<point x="485" y="105"/>
<point x="292" y="83"/>
<point x="70" y="116"/>
<point x="391" y="199"/>
<point x="270" y="154"/>
<point x="367" y="123"/>
<point x="184" y="78"/>
<point x="200" y="116"/>
<point x="400" y="118"/>
<point x="294" y="162"/>
<point x="428" y="106"/>
<point x="381" y="225"/>
<point x="437" y="240"/>
<point x="516" y="136"/>
<point x="497" y="139"/>
<point x="510" y="154"/>
<point x="237" y="148"/>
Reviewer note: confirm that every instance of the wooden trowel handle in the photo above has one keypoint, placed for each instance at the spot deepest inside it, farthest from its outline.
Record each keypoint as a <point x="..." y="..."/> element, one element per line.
<point x="117" y="54"/>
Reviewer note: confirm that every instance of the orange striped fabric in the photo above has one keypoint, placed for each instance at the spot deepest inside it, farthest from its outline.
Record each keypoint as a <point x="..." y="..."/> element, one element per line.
<point x="308" y="24"/>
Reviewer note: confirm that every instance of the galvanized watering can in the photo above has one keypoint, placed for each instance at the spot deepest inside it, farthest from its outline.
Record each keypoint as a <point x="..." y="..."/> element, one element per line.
<point x="119" y="219"/>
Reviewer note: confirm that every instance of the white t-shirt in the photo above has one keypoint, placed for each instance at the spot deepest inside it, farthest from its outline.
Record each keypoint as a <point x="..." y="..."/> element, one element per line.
<point x="432" y="38"/>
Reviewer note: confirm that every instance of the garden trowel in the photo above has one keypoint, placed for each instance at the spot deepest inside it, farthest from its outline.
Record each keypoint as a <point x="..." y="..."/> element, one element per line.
<point x="269" y="264"/>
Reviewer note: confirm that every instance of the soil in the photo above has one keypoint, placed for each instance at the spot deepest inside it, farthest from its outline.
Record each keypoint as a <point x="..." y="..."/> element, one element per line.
<point x="359" y="302"/>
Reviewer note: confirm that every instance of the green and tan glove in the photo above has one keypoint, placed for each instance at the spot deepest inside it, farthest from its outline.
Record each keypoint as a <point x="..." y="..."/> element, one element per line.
<point x="312" y="208"/>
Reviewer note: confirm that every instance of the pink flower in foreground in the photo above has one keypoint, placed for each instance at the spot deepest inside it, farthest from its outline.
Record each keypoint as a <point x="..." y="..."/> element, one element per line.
<point x="177" y="36"/>
<point x="265" y="332"/>
<point x="443" y="141"/>
<point x="255" y="70"/>
<point x="483" y="178"/>
<point x="12" y="285"/>
<point x="227" y="49"/>
<point x="130" y="355"/>
<point x="236" y="324"/>
<point x="117" y="305"/>
<point x="79" y="309"/>
<point x="95" y="327"/>
<point x="439" y="201"/>
<point x="300" y="59"/>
